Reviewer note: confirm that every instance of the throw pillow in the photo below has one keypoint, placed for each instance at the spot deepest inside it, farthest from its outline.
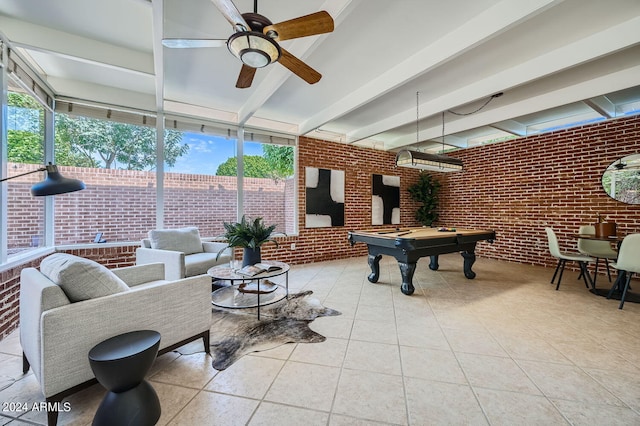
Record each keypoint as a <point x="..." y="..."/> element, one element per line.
<point x="186" y="240"/>
<point x="79" y="278"/>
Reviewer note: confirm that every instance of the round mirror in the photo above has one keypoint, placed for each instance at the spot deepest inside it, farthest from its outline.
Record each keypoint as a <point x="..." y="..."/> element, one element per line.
<point x="621" y="180"/>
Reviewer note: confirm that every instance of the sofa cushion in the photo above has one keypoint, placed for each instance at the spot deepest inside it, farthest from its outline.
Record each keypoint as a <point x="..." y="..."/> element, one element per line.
<point x="80" y="278"/>
<point x="185" y="240"/>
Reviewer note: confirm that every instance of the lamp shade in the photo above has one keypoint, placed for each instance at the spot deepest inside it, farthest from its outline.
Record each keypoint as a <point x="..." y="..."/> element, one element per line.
<point x="55" y="183"/>
<point x="425" y="161"/>
<point x="253" y="48"/>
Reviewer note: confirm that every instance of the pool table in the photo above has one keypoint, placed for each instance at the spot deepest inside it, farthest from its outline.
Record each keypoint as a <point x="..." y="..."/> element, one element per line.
<point x="408" y="245"/>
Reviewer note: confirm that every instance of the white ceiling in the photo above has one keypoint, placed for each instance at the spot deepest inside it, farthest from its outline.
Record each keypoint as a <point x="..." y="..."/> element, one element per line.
<point x="554" y="61"/>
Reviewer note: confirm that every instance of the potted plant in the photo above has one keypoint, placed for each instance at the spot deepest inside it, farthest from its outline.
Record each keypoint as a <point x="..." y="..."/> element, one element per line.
<point x="425" y="191"/>
<point x="250" y="234"/>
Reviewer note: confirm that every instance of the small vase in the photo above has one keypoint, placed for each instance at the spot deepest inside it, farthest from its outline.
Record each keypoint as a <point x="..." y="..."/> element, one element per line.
<point x="250" y="256"/>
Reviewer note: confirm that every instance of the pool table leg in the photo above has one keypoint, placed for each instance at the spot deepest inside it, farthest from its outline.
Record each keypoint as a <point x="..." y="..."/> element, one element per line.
<point x="374" y="264"/>
<point x="469" y="259"/>
<point x="433" y="265"/>
<point x="407" y="270"/>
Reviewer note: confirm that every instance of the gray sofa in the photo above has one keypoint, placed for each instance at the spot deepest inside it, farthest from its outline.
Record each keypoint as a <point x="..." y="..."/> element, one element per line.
<point x="75" y="303"/>
<point x="182" y="252"/>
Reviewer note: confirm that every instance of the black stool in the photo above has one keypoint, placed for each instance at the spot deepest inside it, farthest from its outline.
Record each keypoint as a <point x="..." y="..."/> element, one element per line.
<point x="120" y="364"/>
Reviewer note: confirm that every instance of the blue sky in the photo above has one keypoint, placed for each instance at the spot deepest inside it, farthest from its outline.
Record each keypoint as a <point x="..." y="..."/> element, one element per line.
<point x="207" y="152"/>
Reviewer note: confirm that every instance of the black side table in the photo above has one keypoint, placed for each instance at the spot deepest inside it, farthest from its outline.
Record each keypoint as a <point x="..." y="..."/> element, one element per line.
<point x="120" y="365"/>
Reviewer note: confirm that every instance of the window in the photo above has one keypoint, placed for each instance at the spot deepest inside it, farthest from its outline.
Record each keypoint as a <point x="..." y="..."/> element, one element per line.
<point x="268" y="183"/>
<point x="114" y="154"/>
<point x="201" y="187"/>
<point x="25" y="153"/>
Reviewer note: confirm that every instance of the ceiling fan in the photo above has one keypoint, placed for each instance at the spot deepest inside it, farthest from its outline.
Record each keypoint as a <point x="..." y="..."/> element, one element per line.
<point x="255" y="41"/>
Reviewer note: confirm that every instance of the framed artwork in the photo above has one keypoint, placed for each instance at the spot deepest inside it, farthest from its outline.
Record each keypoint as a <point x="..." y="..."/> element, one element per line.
<point x="385" y="200"/>
<point x="325" y="197"/>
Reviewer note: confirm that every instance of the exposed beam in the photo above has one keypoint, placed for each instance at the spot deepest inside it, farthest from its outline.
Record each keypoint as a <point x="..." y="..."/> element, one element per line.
<point x="549" y="63"/>
<point x="614" y="81"/>
<point x="486" y="25"/>
<point x="511" y="126"/>
<point x="42" y="39"/>
<point x="602" y="105"/>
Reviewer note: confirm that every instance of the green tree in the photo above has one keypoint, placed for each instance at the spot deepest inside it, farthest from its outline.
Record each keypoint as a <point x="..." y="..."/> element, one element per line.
<point x="25" y="143"/>
<point x="254" y="166"/>
<point x="280" y="159"/>
<point x="111" y="144"/>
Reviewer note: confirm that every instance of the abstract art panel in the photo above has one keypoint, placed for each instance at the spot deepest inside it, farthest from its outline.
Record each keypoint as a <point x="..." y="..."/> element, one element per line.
<point x="385" y="200"/>
<point x="325" y="197"/>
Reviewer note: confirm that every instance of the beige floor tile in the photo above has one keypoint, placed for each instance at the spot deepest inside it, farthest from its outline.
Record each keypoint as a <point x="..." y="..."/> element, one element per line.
<point x="172" y="400"/>
<point x="250" y="377"/>
<point x="209" y="408"/>
<point x="567" y="382"/>
<point x="473" y="341"/>
<point x="340" y="420"/>
<point x="431" y="364"/>
<point x="505" y="348"/>
<point x="376" y="313"/>
<point x="588" y="414"/>
<point x="512" y="408"/>
<point x="355" y="397"/>
<point x="331" y="352"/>
<point x="625" y="384"/>
<point x="375" y="331"/>
<point x="269" y="414"/>
<point x="496" y="373"/>
<point x="418" y="334"/>
<point x="373" y="357"/>
<point x="436" y="403"/>
<point x="337" y="327"/>
<point x="305" y="385"/>
<point x="192" y="371"/>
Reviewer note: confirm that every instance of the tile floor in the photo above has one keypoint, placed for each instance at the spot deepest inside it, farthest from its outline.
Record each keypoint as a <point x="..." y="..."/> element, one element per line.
<point x="503" y="349"/>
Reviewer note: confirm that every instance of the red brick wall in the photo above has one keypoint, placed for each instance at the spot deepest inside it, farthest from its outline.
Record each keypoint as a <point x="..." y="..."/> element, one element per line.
<point x="552" y="180"/>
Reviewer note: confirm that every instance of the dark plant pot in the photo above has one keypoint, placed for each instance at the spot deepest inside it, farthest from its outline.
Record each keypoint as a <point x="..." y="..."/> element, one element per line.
<point x="250" y="256"/>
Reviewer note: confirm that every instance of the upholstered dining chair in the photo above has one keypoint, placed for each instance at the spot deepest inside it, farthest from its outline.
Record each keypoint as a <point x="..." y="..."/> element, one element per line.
<point x="597" y="249"/>
<point x="628" y="263"/>
<point x="563" y="258"/>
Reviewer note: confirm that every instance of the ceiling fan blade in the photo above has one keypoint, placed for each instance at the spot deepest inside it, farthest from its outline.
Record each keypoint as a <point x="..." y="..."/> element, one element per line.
<point x="232" y="14"/>
<point x="190" y="43"/>
<point x="308" y="25"/>
<point x="246" y="77"/>
<point x="299" y="68"/>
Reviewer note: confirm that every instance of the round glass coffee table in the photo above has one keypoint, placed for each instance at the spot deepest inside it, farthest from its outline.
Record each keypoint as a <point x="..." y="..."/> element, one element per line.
<point x="249" y="292"/>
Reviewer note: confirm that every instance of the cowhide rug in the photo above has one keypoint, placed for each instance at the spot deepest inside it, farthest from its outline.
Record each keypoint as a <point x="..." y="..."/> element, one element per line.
<point x="236" y="332"/>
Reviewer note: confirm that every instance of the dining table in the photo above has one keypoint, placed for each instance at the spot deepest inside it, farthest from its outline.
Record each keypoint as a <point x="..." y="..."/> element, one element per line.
<point x="616" y="289"/>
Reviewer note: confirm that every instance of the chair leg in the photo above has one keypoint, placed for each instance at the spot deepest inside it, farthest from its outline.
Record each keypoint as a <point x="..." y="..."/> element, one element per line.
<point x="624" y="292"/>
<point x="617" y="285"/>
<point x="561" y="272"/>
<point x="556" y="271"/>
<point x="595" y="273"/>
<point x="25" y="364"/>
<point x="585" y="275"/>
<point x="606" y="261"/>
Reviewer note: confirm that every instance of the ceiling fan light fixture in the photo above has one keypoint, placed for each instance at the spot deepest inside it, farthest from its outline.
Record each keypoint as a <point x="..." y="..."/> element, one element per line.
<point x="254" y="49"/>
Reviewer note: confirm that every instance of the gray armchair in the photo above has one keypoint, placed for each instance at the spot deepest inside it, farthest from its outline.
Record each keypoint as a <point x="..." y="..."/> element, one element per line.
<point x="182" y="252"/>
<point x="71" y="304"/>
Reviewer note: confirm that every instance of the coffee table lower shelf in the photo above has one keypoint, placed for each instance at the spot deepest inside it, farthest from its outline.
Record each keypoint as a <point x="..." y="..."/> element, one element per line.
<point x="231" y="297"/>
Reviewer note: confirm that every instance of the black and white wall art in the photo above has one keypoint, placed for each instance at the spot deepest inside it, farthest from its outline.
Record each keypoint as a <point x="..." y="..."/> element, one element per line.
<point x="325" y="197"/>
<point x="385" y="200"/>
